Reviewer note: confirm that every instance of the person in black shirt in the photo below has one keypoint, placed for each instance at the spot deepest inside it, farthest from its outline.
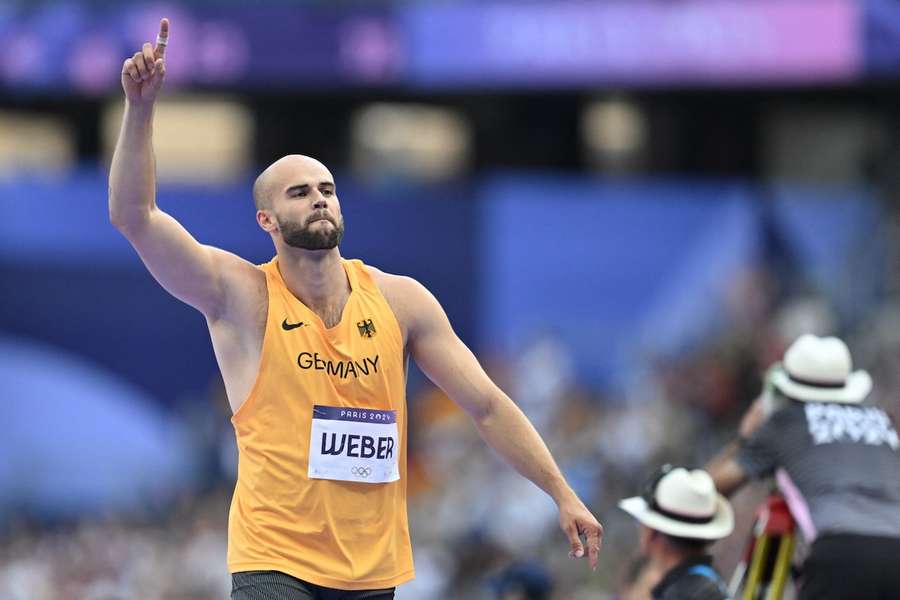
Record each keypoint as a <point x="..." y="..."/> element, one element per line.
<point x="680" y="515"/>
<point x="835" y="455"/>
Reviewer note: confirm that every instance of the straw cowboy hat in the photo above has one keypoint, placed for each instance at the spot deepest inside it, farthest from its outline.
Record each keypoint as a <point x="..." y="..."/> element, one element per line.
<point x="819" y="370"/>
<point x="682" y="503"/>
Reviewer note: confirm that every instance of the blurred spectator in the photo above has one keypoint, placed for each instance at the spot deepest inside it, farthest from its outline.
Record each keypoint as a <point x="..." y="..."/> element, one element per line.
<point x="118" y="560"/>
<point x="524" y="581"/>
<point x="680" y="515"/>
<point x="836" y="458"/>
<point x="640" y="578"/>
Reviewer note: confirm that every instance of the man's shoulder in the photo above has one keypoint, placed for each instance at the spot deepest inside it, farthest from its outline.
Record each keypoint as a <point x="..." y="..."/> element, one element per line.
<point x="787" y="414"/>
<point x="410" y="301"/>
<point x="380" y="276"/>
<point x="244" y="285"/>
<point x="394" y="287"/>
<point x="238" y="270"/>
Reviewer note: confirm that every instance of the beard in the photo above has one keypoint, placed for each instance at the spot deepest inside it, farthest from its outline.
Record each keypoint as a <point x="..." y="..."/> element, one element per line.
<point x="302" y="236"/>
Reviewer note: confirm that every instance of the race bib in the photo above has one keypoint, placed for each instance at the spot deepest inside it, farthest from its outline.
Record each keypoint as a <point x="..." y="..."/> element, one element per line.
<point x="354" y="444"/>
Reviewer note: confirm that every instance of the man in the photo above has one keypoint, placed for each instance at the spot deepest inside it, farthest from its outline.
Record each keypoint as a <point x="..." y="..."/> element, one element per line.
<point x="313" y="350"/>
<point x="837" y="461"/>
<point x="680" y="515"/>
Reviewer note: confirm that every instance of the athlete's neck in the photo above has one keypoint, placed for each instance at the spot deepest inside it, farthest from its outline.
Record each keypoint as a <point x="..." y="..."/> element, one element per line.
<point x="316" y="278"/>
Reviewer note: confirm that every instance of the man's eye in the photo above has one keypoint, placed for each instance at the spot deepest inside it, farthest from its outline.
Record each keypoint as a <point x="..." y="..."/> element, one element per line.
<point x="327" y="192"/>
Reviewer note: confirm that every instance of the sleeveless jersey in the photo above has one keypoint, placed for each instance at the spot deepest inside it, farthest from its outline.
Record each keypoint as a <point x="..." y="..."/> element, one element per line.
<point x="321" y="487"/>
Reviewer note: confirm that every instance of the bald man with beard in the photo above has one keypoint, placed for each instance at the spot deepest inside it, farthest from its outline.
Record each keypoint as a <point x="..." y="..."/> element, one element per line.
<point x="313" y="351"/>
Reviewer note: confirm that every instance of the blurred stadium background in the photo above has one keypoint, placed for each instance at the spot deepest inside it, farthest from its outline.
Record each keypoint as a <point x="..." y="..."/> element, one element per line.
<point x="627" y="208"/>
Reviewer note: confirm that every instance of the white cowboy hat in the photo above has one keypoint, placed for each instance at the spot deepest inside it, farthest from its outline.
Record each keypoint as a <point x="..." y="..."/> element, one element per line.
<point x="819" y="370"/>
<point x="684" y="504"/>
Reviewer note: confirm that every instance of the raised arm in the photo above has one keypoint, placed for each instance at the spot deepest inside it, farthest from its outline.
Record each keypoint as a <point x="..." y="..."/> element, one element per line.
<point x="444" y="358"/>
<point x="187" y="269"/>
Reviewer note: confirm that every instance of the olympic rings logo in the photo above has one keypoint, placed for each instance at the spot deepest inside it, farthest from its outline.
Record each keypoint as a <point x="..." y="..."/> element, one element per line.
<point x="361" y="471"/>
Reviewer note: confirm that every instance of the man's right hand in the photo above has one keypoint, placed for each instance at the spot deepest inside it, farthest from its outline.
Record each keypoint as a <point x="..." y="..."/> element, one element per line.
<point x="143" y="74"/>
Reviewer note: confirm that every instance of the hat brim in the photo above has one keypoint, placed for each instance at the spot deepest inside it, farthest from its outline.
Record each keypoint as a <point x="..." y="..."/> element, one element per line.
<point x="858" y="386"/>
<point x="721" y="525"/>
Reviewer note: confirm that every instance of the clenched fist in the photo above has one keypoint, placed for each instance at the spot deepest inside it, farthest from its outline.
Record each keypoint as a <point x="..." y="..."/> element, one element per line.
<point x="143" y="74"/>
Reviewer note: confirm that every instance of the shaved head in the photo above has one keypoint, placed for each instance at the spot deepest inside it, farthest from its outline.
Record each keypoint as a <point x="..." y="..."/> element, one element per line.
<point x="281" y="173"/>
<point x="261" y="192"/>
<point x="296" y="193"/>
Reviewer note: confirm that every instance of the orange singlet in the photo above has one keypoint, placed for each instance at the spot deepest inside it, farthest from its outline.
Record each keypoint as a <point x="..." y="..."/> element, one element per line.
<point x="321" y="487"/>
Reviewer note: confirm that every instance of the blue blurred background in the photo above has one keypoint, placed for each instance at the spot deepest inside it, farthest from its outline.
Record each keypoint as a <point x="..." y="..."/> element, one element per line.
<point x="627" y="207"/>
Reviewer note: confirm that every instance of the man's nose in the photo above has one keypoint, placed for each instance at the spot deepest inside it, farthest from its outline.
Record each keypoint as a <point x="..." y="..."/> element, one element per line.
<point x="320" y="202"/>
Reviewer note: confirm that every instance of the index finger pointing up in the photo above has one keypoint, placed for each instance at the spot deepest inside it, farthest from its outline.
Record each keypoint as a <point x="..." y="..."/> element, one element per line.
<point x="162" y="40"/>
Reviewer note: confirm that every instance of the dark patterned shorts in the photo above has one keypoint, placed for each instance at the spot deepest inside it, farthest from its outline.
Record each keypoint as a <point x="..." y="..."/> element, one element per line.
<point x="274" y="585"/>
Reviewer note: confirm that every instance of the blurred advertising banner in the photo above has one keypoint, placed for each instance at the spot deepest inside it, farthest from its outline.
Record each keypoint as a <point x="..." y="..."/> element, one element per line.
<point x="79" y="47"/>
<point x="882" y="38"/>
<point x="639" y="43"/>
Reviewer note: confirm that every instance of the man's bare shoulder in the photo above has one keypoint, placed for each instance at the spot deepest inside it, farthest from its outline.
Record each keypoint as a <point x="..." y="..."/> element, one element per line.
<point x="403" y="293"/>
<point x="238" y="270"/>
<point x="390" y="280"/>
<point x="244" y="286"/>
<point x="394" y="287"/>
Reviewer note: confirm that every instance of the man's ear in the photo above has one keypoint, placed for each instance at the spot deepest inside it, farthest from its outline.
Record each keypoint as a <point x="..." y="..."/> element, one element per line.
<point x="266" y="219"/>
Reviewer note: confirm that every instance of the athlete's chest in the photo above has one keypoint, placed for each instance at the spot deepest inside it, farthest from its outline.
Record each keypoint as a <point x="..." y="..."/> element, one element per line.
<point x="362" y="347"/>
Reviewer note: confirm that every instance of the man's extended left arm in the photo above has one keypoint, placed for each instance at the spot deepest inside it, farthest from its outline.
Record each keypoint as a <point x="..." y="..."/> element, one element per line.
<point x="444" y="358"/>
<point x="727" y="473"/>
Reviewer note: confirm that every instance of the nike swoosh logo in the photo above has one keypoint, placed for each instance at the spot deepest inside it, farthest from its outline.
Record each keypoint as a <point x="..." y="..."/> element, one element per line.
<point x="288" y="326"/>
